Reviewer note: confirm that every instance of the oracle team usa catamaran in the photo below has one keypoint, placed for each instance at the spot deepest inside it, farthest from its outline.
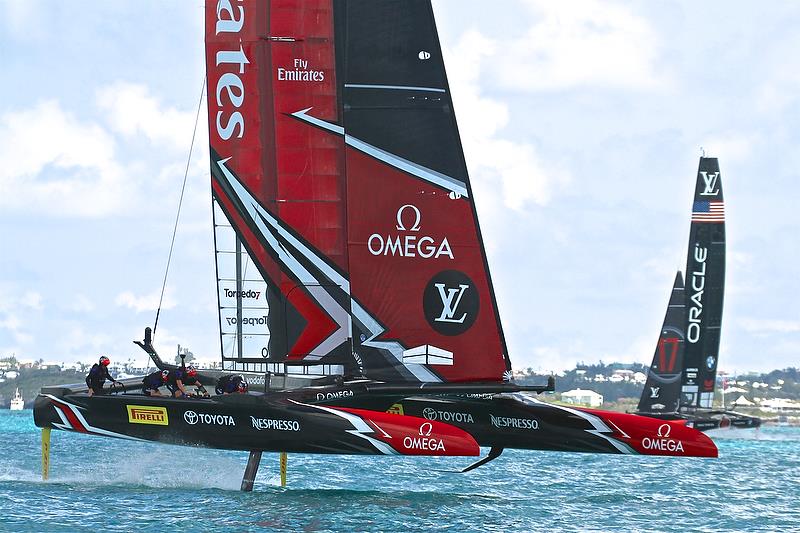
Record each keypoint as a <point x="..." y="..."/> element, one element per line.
<point x="682" y="378"/>
<point x="351" y="272"/>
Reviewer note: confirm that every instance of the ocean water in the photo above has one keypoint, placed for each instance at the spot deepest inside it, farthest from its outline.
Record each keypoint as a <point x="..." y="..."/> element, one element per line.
<point x="99" y="484"/>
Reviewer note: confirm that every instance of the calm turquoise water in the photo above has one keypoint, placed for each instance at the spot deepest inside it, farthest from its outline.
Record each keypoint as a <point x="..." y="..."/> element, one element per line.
<point x="103" y="484"/>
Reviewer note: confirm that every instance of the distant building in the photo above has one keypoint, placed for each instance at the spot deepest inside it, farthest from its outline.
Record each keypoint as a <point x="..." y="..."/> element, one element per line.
<point x="780" y="405"/>
<point x="588" y="398"/>
<point x="741" y="401"/>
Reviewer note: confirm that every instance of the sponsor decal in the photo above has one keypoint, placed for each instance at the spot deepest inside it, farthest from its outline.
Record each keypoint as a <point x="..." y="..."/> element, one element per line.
<point x="251" y="294"/>
<point x="662" y="441"/>
<point x="230" y="91"/>
<point x="344" y="393"/>
<point x="395" y="409"/>
<point x="423" y="55"/>
<point x="357" y="356"/>
<point x="255" y="379"/>
<point x="515" y="423"/>
<point x="709" y="184"/>
<point x="248" y="321"/>
<point x="274" y="424"/>
<point x="193" y="417"/>
<point x="654" y="391"/>
<point x="145" y="414"/>
<point x="447" y="416"/>
<point x="657" y="406"/>
<point x="710" y="362"/>
<point x="424" y="441"/>
<point x="409" y="243"/>
<point x="299" y="71"/>
<point x="696" y="300"/>
<point x="450" y="302"/>
<point x="667" y="353"/>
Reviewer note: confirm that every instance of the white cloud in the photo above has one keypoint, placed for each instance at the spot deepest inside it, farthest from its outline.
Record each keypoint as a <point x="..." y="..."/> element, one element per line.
<point x="146" y="302"/>
<point x="20" y="18"/>
<point x="82" y="304"/>
<point x="77" y="341"/>
<point x="132" y="111"/>
<point x="733" y="147"/>
<point x="32" y="299"/>
<point x="57" y="164"/>
<point x="765" y="326"/>
<point x="523" y="176"/>
<point x="581" y="42"/>
<point x="62" y="165"/>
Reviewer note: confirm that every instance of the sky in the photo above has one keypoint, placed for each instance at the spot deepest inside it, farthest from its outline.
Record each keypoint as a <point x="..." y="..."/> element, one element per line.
<point x="582" y="123"/>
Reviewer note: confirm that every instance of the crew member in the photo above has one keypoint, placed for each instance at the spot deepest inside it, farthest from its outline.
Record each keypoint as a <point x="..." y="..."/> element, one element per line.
<point x="229" y="384"/>
<point x="152" y="382"/>
<point x="98" y="375"/>
<point x="179" y="378"/>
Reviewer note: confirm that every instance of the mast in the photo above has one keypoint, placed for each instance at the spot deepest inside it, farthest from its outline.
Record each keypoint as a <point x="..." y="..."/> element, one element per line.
<point x="705" y="286"/>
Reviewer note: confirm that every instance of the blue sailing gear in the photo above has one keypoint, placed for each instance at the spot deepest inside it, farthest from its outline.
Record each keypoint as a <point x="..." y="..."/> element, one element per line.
<point x="153" y="381"/>
<point x="97" y="377"/>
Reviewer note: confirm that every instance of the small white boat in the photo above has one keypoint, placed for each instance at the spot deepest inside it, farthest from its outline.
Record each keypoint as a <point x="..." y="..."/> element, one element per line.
<point x="17" y="403"/>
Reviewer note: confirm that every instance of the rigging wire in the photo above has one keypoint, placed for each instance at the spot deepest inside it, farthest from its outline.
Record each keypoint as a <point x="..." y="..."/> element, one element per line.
<point x="180" y="203"/>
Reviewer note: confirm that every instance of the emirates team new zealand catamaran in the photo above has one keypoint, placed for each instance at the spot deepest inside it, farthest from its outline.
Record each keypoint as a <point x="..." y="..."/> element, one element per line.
<point x="682" y="378"/>
<point x="352" y="278"/>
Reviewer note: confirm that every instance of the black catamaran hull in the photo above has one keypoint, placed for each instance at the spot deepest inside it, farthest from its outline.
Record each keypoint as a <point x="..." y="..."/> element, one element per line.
<point x="706" y="420"/>
<point x="418" y="426"/>
<point x="250" y="423"/>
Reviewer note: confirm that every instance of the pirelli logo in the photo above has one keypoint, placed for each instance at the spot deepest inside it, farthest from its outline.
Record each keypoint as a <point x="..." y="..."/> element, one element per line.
<point x="145" y="414"/>
<point x="395" y="409"/>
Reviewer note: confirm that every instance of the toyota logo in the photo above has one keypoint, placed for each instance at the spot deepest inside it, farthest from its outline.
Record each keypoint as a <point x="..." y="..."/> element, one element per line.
<point x="663" y="431"/>
<point x="190" y="417"/>
<point x="429" y="413"/>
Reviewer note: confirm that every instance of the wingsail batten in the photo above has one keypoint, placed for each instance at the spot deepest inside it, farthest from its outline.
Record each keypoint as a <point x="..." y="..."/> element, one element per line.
<point x="446" y="182"/>
<point x="705" y="286"/>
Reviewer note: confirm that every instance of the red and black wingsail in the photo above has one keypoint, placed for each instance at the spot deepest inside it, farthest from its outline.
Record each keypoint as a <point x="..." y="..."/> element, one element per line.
<point x="705" y="287"/>
<point x="661" y="392"/>
<point x="336" y="161"/>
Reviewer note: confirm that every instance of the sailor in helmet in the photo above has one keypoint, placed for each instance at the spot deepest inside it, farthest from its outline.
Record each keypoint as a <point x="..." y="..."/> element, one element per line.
<point x="152" y="382"/>
<point x="179" y="378"/>
<point x="231" y="384"/>
<point x="98" y="375"/>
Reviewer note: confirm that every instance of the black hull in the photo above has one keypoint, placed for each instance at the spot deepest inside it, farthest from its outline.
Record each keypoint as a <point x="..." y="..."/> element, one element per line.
<point x="293" y="421"/>
<point x="706" y="420"/>
<point x="250" y="423"/>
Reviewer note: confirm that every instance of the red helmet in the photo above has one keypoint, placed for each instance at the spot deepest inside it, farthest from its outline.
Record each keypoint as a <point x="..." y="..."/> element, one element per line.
<point x="242" y="386"/>
<point x="164" y="375"/>
<point x="191" y="371"/>
<point x="105" y="361"/>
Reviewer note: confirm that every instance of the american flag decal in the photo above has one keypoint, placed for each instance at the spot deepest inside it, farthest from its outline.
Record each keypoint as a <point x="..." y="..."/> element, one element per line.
<point x="705" y="211"/>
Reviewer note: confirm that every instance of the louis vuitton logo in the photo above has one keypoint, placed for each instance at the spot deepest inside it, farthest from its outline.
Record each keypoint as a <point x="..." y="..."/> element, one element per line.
<point x="710" y="183"/>
<point x="450" y="300"/>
